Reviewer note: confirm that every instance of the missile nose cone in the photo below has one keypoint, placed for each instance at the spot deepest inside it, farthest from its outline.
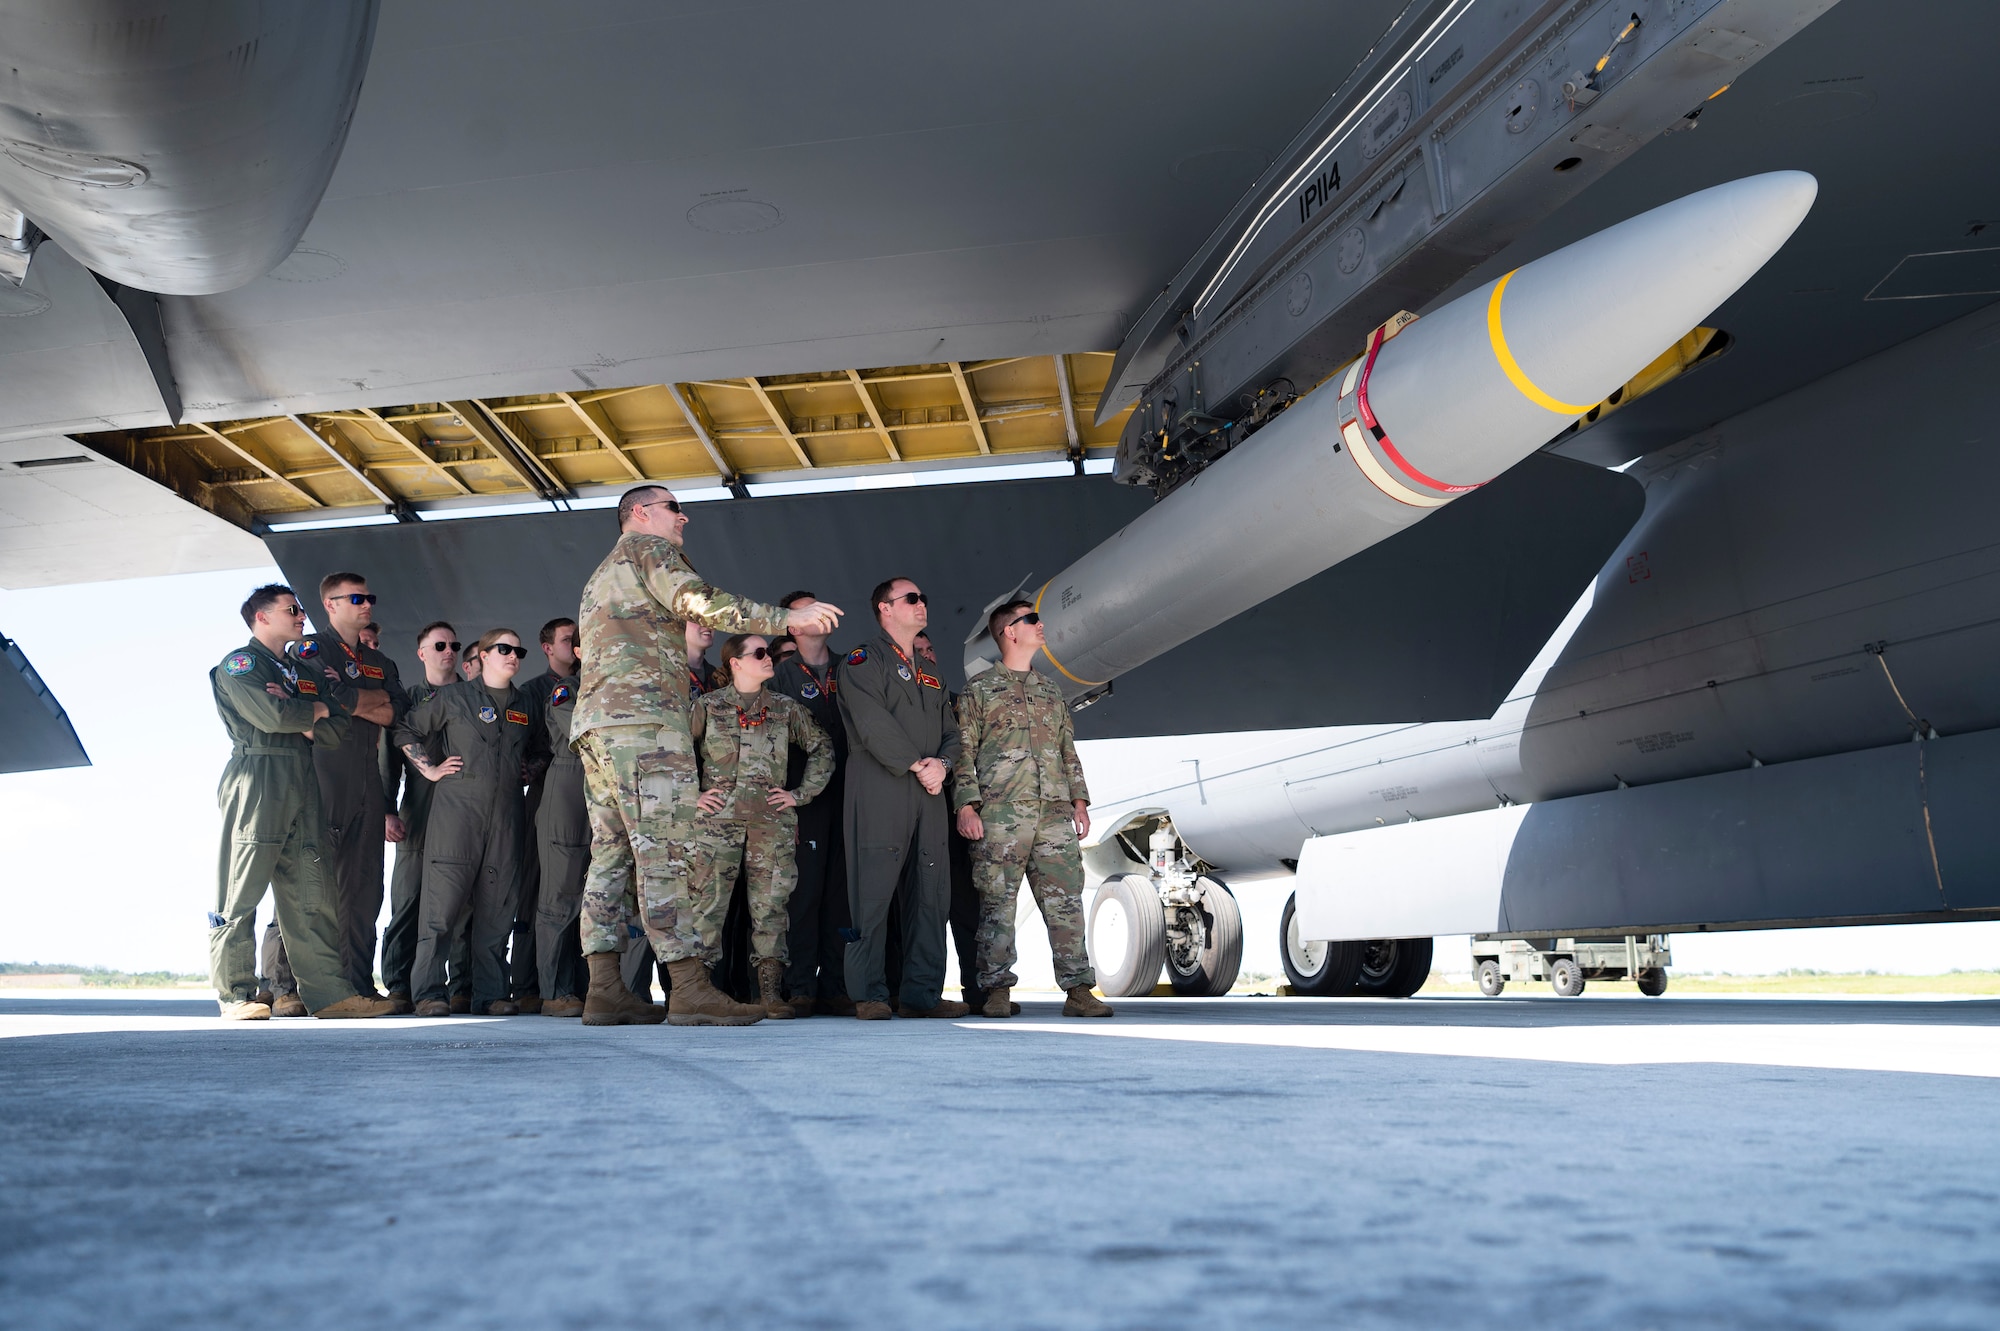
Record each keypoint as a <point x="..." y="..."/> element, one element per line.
<point x="1525" y="354"/>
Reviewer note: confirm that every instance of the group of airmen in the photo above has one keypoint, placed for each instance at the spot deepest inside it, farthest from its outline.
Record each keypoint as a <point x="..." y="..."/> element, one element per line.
<point x="787" y="832"/>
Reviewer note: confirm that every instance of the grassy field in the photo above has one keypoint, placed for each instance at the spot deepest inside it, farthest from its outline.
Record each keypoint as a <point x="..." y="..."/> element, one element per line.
<point x="36" y="975"/>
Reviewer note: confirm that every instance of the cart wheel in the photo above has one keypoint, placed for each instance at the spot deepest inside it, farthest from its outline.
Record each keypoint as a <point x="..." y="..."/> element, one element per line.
<point x="1491" y="981"/>
<point x="1652" y="983"/>
<point x="1566" y="977"/>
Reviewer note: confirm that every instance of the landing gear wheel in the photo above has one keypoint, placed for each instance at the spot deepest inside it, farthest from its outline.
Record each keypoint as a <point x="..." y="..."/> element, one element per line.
<point x="1566" y="977"/>
<point x="1652" y="983"/>
<point x="1209" y="970"/>
<point x="1127" y="937"/>
<point x="1393" y="967"/>
<point x="1491" y="981"/>
<point x="1322" y="970"/>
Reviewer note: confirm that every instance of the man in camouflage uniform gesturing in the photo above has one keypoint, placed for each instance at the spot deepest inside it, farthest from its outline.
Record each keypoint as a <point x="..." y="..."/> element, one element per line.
<point x="1023" y="805"/>
<point x="630" y="726"/>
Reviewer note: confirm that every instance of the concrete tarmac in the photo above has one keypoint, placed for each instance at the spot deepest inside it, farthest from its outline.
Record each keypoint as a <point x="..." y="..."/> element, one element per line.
<point x="1446" y="1162"/>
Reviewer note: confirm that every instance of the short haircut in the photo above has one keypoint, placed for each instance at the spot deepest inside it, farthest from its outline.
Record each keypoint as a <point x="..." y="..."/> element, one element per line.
<point x="737" y="645"/>
<point x="882" y="590"/>
<point x="263" y="599"/>
<point x="333" y="582"/>
<point x="789" y="599"/>
<point x="628" y="503"/>
<point x="997" y="622"/>
<point x="471" y="651"/>
<point x="434" y="624"/>
<point x="372" y="627"/>
<point x="549" y="630"/>
<point x="491" y="636"/>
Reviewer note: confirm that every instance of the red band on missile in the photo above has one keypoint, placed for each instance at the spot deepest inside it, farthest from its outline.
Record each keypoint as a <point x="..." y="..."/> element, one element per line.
<point x="1389" y="449"/>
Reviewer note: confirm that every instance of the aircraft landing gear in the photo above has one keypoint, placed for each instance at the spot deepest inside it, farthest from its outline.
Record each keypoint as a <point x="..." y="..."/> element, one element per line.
<point x="1173" y="918"/>
<point x="1375" y="968"/>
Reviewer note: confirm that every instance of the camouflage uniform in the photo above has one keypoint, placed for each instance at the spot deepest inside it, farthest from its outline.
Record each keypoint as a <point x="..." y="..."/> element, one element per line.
<point x="630" y="725"/>
<point x="1021" y="771"/>
<point x="273" y="831"/>
<point x="743" y="744"/>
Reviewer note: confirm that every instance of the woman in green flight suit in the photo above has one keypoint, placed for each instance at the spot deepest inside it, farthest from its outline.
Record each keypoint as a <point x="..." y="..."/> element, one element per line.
<point x="472" y="844"/>
<point x="743" y="735"/>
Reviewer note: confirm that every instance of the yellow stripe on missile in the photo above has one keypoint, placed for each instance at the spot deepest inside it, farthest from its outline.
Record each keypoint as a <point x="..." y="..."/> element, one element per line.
<point x="1511" y="367"/>
<point x="1087" y="683"/>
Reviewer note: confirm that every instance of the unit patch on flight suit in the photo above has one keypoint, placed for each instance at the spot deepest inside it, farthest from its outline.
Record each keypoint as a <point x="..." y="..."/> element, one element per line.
<point x="353" y="670"/>
<point x="809" y="690"/>
<point x="518" y="718"/>
<point x="857" y="656"/>
<point x="903" y="670"/>
<point x="488" y="715"/>
<point x="240" y="663"/>
<point x="560" y="696"/>
<point x="306" y="651"/>
<point x="373" y="672"/>
<point x="307" y="686"/>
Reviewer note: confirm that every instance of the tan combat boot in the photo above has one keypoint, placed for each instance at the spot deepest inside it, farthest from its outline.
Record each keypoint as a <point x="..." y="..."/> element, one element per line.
<point x="529" y="1004"/>
<point x="288" y="1005"/>
<point x="355" y="1007"/>
<point x="1082" y="1003"/>
<point x="609" y="1002"/>
<point x="771" y="989"/>
<point x="433" y="1007"/>
<point x="243" y="1010"/>
<point x="694" y="1001"/>
<point x="565" y="1005"/>
<point x="868" y="1010"/>
<point x="999" y="1004"/>
<point x="401" y="999"/>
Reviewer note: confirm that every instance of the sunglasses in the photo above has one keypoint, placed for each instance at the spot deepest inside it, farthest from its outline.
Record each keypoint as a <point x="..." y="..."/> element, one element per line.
<point x="442" y="646"/>
<point x="297" y="611"/>
<point x="1030" y="618"/>
<point x="356" y="598"/>
<point x="672" y="505"/>
<point x="909" y="598"/>
<point x="756" y="654"/>
<point x="508" y="649"/>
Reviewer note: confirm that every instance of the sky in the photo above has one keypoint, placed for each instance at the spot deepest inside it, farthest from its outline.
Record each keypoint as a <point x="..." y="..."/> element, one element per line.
<point x="114" y="864"/>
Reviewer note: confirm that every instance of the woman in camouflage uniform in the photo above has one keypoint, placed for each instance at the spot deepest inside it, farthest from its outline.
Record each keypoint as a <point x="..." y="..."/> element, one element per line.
<point x="743" y="735"/>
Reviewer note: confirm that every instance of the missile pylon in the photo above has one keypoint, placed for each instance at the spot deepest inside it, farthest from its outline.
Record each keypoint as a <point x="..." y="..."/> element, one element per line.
<point x="1423" y="417"/>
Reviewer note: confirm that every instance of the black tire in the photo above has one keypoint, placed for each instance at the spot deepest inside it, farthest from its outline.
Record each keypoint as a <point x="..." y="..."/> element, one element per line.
<point x="1319" y="970"/>
<point x="1566" y="977"/>
<point x="1652" y="983"/>
<point x="1221" y="954"/>
<point x="1141" y="948"/>
<point x="1393" y="967"/>
<point x="1491" y="981"/>
<point x="1413" y="967"/>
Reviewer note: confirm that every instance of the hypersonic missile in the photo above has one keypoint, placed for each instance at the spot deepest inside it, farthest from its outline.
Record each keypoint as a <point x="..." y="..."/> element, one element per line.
<point x="1429" y="412"/>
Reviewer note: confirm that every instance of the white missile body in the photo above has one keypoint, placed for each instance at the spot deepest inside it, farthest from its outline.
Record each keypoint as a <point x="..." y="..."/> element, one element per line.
<point x="1435" y="412"/>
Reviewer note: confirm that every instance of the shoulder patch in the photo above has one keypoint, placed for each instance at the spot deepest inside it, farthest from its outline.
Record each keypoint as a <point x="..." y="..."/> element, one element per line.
<point x="857" y="656"/>
<point x="240" y="663"/>
<point x="560" y="695"/>
<point x="307" y="650"/>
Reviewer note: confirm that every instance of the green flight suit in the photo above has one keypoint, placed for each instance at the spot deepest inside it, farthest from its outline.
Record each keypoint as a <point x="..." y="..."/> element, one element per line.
<point x="897" y="847"/>
<point x="472" y="845"/>
<point x="562" y="843"/>
<point x="351" y="793"/>
<point x="399" y="940"/>
<point x="271" y="830"/>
